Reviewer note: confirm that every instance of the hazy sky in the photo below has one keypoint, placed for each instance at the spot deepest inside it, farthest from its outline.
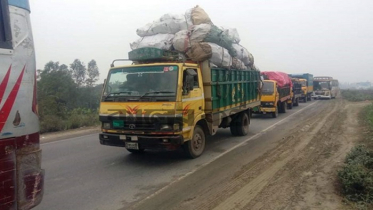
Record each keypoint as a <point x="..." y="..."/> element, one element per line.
<point x="322" y="37"/>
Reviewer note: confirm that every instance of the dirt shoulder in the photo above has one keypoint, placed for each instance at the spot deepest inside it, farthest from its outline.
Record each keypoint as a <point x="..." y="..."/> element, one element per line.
<point x="299" y="172"/>
<point x="55" y="136"/>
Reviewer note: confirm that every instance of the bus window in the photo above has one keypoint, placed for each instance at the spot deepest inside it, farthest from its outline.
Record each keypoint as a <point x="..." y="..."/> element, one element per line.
<point x="5" y="31"/>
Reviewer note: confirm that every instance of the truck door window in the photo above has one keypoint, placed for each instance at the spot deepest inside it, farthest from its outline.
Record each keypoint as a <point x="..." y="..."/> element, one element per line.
<point x="5" y="31"/>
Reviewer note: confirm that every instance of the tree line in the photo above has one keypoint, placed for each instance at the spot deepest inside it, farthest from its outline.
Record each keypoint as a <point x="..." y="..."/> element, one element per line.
<point x="68" y="96"/>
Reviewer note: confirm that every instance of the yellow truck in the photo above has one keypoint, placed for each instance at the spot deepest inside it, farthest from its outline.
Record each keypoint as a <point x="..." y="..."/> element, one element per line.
<point x="276" y="92"/>
<point x="295" y="93"/>
<point x="307" y="85"/>
<point x="162" y="102"/>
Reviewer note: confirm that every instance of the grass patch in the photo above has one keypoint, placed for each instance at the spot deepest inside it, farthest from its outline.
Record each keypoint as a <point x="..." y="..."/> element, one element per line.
<point x="77" y="118"/>
<point x="358" y="95"/>
<point x="356" y="176"/>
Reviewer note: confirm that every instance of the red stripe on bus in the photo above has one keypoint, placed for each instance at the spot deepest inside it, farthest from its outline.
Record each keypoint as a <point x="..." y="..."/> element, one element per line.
<point x="5" y="110"/>
<point x="4" y="83"/>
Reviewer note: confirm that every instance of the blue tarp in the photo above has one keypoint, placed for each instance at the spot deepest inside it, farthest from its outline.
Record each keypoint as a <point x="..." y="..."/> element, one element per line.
<point x="24" y="4"/>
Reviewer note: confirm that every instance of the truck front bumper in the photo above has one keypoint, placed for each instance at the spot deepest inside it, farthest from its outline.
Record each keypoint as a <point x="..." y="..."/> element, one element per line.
<point x="267" y="109"/>
<point x="321" y="97"/>
<point x="163" y="142"/>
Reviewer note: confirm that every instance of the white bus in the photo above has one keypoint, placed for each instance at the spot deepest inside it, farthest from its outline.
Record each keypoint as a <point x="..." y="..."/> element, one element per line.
<point x="325" y="87"/>
<point x="21" y="176"/>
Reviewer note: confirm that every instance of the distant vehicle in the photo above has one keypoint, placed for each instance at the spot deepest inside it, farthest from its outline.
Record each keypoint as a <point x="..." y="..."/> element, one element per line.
<point x="161" y="102"/>
<point x="276" y="92"/>
<point x="296" y="92"/>
<point x="325" y="87"/>
<point x="307" y="85"/>
<point x="21" y="176"/>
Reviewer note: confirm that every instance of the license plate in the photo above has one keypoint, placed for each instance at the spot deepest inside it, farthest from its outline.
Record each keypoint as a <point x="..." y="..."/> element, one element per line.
<point x="130" y="145"/>
<point x="264" y="112"/>
<point x="122" y="137"/>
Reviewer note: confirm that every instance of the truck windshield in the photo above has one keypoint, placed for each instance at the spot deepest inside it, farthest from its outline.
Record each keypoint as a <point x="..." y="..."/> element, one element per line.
<point x="322" y="85"/>
<point x="268" y="88"/>
<point x="142" y="82"/>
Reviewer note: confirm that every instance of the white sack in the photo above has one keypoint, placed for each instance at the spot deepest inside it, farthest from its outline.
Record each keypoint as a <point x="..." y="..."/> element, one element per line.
<point x="220" y="56"/>
<point x="232" y="33"/>
<point x="181" y="41"/>
<point x="243" y="54"/>
<point x="167" y="24"/>
<point x="199" y="32"/>
<point x="160" y="41"/>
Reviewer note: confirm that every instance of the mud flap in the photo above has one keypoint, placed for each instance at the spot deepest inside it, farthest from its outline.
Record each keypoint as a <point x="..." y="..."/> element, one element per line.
<point x="30" y="177"/>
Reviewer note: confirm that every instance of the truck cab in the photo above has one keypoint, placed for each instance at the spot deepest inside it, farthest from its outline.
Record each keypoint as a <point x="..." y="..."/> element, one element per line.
<point x="304" y="89"/>
<point x="273" y="99"/>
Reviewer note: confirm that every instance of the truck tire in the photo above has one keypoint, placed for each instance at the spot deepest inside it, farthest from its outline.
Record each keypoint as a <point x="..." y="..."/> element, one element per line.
<point x="243" y="123"/>
<point x="296" y="102"/>
<point x="283" y="107"/>
<point x="195" y="147"/>
<point x="305" y="99"/>
<point x="290" y="106"/>
<point x="309" y="98"/>
<point x="275" y="114"/>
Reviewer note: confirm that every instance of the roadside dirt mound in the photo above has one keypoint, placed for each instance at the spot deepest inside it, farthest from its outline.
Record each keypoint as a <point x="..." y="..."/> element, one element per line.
<point x="300" y="173"/>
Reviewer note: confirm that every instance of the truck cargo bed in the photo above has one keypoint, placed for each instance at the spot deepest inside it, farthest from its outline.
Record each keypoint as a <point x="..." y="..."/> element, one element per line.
<point x="227" y="89"/>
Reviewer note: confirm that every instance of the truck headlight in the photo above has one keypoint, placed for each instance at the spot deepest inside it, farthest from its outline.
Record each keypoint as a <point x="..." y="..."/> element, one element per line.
<point x="106" y="125"/>
<point x="176" y="127"/>
<point x="166" y="127"/>
<point x="271" y="104"/>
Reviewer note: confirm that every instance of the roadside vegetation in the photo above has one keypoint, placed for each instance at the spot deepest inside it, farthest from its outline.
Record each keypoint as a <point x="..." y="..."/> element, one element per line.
<point x="68" y="96"/>
<point x="356" y="176"/>
<point x="358" y="95"/>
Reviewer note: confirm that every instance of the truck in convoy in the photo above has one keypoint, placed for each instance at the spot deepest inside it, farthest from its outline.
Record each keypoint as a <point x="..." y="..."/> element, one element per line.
<point x="325" y="87"/>
<point x="21" y="176"/>
<point x="307" y="85"/>
<point x="296" y="93"/>
<point x="276" y="92"/>
<point x="162" y="102"/>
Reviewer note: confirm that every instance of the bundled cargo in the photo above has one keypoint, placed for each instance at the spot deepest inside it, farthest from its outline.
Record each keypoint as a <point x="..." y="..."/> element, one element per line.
<point x="243" y="55"/>
<point x="281" y="78"/>
<point x="213" y="34"/>
<point x="160" y="41"/>
<point x="195" y="36"/>
<point x="167" y="24"/>
<point x="232" y="34"/>
<point x="196" y="16"/>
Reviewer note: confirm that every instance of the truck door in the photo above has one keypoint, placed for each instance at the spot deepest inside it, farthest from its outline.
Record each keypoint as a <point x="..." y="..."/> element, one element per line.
<point x="193" y="98"/>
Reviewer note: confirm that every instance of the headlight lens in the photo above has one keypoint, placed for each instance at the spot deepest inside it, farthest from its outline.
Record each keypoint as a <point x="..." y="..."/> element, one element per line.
<point x="166" y="127"/>
<point x="176" y="127"/>
<point x="106" y="125"/>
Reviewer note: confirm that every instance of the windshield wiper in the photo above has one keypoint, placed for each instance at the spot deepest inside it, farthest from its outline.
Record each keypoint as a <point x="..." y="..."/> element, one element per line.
<point x="155" y="92"/>
<point x="111" y="94"/>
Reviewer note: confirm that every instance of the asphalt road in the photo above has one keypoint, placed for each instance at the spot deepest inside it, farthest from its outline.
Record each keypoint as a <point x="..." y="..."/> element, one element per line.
<point x="82" y="174"/>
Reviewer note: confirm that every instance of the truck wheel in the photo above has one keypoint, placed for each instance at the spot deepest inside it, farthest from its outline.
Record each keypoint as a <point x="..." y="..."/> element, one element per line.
<point x="305" y="99"/>
<point x="309" y="98"/>
<point x="282" y="108"/>
<point x="290" y="106"/>
<point x="195" y="147"/>
<point x="275" y="114"/>
<point x="243" y="123"/>
<point x="296" y="102"/>
<point x="134" y="151"/>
